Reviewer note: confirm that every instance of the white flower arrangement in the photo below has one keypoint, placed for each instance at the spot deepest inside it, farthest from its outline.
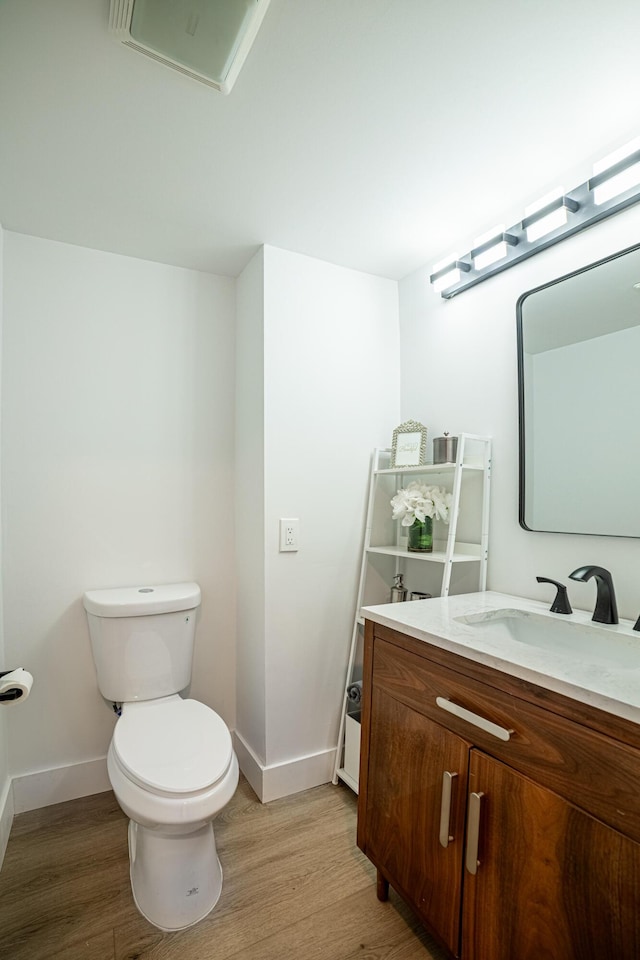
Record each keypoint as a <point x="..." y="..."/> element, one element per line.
<point x="419" y="501"/>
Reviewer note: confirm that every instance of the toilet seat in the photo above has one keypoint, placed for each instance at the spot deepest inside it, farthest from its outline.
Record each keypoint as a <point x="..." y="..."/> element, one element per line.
<point x="172" y="747"/>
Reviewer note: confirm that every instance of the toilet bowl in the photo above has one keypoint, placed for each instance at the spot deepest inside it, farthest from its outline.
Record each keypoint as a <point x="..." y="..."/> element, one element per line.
<point x="172" y="768"/>
<point x="171" y="761"/>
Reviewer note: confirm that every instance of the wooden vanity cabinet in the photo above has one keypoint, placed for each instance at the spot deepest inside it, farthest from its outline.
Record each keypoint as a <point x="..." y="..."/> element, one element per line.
<point x="525" y="848"/>
<point x="410" y="758"/>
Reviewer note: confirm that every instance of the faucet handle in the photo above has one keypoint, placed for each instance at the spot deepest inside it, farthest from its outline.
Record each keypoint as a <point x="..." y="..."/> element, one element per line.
<point x="561" y="603"/>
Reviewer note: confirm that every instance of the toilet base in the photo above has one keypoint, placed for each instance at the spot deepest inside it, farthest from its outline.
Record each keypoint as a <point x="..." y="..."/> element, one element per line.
<point x="176" y="879"/>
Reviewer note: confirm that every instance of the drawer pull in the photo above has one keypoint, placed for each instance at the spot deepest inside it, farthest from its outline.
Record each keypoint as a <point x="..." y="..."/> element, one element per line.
<point x="445" y="808"/>
<point x="493" y="728"/>
<point x="473" y="831"/>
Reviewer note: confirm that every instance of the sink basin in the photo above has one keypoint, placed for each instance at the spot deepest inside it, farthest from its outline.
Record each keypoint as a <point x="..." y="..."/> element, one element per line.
<point x="589" y="643"/>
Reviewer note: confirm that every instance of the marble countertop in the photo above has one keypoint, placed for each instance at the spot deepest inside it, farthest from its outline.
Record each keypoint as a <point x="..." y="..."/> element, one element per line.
<point x="586" y="677"/>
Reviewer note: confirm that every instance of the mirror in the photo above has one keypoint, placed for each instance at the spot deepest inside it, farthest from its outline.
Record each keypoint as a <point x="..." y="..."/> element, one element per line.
<point x="579" y="400"/>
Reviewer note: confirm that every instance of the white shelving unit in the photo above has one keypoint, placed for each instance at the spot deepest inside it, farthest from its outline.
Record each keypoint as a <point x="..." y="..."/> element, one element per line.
<point x="458" y="563"/>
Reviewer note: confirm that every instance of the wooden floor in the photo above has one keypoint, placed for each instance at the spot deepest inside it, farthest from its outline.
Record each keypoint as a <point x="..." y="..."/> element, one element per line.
<point x="295" y="886"/>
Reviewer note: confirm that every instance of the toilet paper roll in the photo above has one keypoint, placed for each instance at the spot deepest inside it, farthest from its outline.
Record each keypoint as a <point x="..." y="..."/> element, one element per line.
<point x="15" y="686"/>
<point x="354" y="691"/>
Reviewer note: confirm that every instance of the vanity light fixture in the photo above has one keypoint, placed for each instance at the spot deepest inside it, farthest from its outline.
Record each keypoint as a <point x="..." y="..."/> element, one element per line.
<point x="616" y="173"/>
<point x="448" y="272"/>
<point x="614" y="186"/>
<point x="491" y="247"/>
<point x="547" y="214"/>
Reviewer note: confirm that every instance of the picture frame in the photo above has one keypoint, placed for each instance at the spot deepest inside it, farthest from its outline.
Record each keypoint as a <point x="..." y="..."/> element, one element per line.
<point x="409" y="445"/>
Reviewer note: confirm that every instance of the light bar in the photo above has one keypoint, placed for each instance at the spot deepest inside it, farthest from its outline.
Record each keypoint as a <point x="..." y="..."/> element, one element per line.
<point x="614" y="186"/>
<point x="616" y="173"/>
<point x="447" y="273"/>
<point x="547" y="215"/>
<point x="491" y="247"/>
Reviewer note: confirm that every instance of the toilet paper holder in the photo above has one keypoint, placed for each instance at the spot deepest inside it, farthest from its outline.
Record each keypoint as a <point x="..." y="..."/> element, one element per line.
<point x="14" y="685"/>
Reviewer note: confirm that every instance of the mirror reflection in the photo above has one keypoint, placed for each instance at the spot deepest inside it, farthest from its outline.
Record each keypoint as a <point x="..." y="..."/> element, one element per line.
<point x="579" y="399"/>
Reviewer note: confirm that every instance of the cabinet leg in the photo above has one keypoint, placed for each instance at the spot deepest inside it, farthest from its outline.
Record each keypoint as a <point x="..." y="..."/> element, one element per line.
<point x="382" y="887"/>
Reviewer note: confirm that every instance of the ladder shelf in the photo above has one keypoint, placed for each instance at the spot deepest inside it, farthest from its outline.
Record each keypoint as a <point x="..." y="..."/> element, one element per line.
<point x="455" y="565"/>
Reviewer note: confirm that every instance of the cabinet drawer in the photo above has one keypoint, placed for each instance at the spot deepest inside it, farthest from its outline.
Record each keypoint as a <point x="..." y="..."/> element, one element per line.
<point x="588" y="769"/>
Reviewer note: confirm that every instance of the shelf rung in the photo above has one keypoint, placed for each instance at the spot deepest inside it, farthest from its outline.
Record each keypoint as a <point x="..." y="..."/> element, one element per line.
<point x="437" y="556"/>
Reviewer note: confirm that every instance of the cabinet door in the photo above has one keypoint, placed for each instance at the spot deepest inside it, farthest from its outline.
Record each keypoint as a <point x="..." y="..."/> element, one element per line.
<point x="552" y="883"/>
<point x="410" y="759"/>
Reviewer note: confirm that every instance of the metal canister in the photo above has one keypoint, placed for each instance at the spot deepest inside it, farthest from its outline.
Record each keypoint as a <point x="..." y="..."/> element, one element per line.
<point x="445" y="449"/>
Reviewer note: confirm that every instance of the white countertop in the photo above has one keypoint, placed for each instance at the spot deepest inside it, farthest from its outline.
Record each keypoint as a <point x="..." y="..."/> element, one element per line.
<point x="615" y="689"/>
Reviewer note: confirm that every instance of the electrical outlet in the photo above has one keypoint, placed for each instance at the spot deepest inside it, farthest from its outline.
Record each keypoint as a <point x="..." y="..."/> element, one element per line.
<point x="288" y="534"/>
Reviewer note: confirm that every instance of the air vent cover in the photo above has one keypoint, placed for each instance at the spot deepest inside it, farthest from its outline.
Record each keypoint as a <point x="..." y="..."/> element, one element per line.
<point x="207" y="40"/>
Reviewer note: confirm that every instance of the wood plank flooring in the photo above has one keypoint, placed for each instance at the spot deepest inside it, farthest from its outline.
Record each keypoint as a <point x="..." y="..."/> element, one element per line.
<point x="295" y="886"/>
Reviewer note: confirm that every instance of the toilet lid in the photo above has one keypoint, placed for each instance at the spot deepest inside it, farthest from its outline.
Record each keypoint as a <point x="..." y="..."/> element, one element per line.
<point x="172" y="745"/>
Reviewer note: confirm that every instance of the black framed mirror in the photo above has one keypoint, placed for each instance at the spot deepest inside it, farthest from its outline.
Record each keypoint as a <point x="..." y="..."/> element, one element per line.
<point x="579" y="400"/>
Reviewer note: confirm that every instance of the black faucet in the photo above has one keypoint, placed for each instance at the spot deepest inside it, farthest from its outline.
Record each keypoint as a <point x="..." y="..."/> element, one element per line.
<point x="561" y="603"/>
<point x="606" y="610"/>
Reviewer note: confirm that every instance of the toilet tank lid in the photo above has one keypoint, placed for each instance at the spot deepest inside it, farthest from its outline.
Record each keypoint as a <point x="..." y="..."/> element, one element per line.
<point x="142" y="601"/>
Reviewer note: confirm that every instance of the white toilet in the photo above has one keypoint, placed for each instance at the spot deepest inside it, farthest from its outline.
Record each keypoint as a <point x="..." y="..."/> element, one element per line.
<point x="171" y="762"/>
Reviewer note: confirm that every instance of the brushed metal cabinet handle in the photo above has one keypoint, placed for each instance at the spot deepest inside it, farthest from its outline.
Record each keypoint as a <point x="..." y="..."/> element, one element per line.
<point x="445" y="808"/>
<point x="487" y="725"/>
<point x="473" y="831"/>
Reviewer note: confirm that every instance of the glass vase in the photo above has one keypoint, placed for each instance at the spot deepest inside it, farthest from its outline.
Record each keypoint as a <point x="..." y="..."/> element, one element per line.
<point x="421" y="536"/>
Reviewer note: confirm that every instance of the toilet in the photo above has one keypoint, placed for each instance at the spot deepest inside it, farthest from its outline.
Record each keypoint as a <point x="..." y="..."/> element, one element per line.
<point x="171" y="762"/>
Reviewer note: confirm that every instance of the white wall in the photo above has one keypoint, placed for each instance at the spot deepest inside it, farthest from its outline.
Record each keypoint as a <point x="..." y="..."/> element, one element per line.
<point x="331" y="393"/>
<point x="459" y="373"/>
<point x="117" y="403"/>
<point x="250" y="560"/>
<point x="6" y="794"/>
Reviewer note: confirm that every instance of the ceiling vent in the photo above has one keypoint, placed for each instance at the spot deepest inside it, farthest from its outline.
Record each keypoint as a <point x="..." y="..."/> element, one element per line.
<point x="205" y="39"/>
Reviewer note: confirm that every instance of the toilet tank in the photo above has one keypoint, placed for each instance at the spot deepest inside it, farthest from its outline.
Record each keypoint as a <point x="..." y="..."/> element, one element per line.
<point x="142" y="639"/>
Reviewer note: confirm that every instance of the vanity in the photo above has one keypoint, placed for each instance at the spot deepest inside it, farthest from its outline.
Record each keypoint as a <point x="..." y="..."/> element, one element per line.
<point x="500" y="775"/>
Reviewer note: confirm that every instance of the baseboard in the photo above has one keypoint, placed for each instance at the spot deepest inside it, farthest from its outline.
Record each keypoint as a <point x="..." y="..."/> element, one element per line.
<point x="249" y="763"/>
<point x="272" y="781"/>
<point x="292" y="776"/>
<point x="41" y="789"/>
<point x="6" y="818"/>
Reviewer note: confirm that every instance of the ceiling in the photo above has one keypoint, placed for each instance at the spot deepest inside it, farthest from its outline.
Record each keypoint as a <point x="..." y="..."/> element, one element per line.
<point x="376" y="134"/>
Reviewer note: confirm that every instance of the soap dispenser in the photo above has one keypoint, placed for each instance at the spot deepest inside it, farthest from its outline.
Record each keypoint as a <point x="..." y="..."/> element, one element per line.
<point x="398" y="590"/>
